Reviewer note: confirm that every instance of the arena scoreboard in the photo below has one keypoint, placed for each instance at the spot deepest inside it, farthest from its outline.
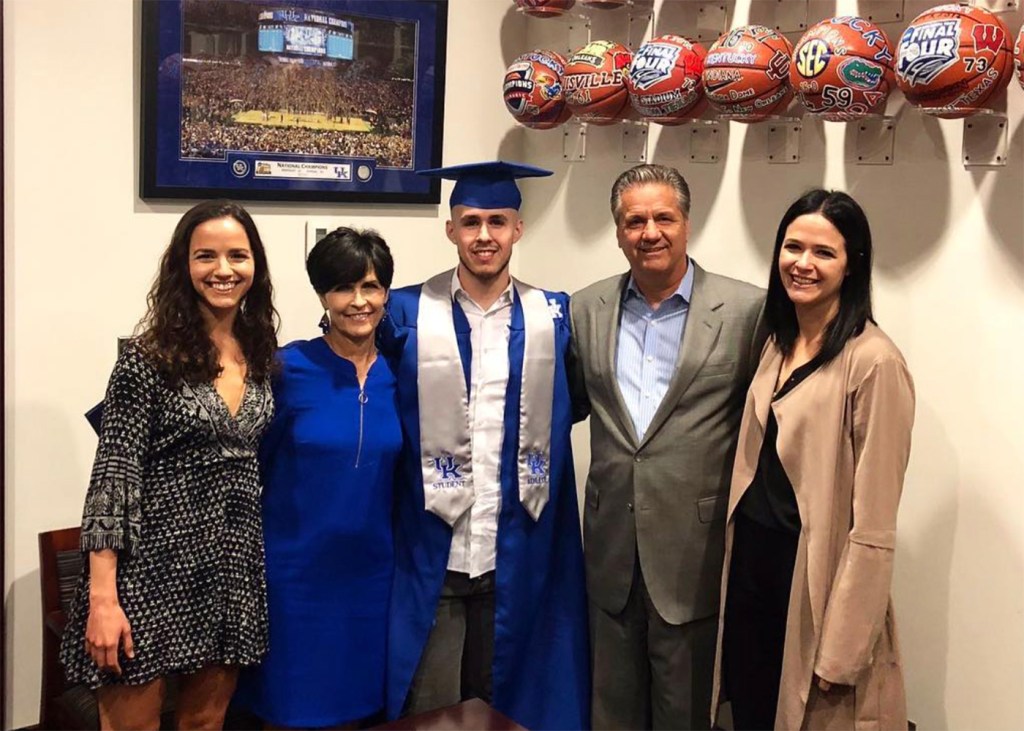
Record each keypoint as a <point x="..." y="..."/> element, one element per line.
<point x="305" y="33"/>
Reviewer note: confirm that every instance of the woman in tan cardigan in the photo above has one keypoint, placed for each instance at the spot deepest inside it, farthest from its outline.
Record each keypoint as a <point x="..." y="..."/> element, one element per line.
<point x="807" y="638"/>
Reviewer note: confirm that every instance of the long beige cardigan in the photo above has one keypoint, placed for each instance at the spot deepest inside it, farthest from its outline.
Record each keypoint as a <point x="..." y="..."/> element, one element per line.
<point x="844" y="441"/>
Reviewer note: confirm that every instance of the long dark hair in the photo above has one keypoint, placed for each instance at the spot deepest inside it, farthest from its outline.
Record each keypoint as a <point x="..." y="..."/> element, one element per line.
<point x="848" y="217"/>
<point x="173" y="333"/>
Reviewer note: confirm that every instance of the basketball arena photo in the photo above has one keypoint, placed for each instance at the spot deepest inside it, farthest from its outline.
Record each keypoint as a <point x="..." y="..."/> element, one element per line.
<point x="293" y="79"/>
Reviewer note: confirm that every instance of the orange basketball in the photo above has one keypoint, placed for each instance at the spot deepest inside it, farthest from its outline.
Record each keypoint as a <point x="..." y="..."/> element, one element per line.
<point x="746" y="73"/>
<point x="952" y="59"/>
<point x="545" y="8"/>
<point x="533" y="90"/>
<point x="664" y="79"/>
<point x="842" y="68"/>
<point x="595" y="82"/>
<point x="1018" y="57"/>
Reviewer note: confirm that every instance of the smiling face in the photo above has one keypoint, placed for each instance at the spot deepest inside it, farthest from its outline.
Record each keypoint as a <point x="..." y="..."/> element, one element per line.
<point x="220" y="264"/>
<point x="813" y="263"/>
<point x="484" y="238"/>
<point x="355" y="309"/>
<point x="652" y="233"/>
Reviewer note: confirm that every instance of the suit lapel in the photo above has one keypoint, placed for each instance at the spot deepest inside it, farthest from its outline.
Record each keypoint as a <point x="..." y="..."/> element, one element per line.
<point x="703" y="324"/>
<point x="607" y="328"/>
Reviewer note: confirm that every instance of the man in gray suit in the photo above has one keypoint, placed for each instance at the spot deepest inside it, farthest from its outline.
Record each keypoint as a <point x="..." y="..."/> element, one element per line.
<point x="665" y="353"/>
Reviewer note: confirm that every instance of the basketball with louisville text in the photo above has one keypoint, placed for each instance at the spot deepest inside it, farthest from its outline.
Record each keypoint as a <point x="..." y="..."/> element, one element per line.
<point x="595" y="82"/>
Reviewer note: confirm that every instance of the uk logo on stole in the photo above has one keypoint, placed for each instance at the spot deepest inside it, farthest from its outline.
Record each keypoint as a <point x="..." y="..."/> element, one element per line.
<point x="537" y="463"/>
<point x="449" y="475"/>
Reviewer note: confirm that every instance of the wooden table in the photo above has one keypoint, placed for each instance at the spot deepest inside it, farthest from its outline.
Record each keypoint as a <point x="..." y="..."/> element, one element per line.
<point x="471" y="715"/>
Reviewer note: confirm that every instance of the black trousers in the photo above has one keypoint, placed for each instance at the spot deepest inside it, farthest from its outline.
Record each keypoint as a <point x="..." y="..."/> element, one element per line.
<point x="456" y="663"/>
<point x="756" y="606"/>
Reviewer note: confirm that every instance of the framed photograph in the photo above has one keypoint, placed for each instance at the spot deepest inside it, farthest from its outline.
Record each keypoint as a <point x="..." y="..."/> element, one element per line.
<point x="295" y="100"/>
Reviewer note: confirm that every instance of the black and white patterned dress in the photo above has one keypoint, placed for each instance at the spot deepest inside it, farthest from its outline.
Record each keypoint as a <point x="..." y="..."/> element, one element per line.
<point x="175" y="490"/>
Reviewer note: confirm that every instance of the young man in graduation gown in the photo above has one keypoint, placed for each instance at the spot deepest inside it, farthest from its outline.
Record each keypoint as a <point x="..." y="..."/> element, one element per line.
<point x="488" y="599"/>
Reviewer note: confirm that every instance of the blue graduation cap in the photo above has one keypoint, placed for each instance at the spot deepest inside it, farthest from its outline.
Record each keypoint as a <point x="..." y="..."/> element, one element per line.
<point x="486" y="184"/>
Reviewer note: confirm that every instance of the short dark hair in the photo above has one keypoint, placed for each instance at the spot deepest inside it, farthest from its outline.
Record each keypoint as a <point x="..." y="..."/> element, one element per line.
<point x="172" y="331"/>
<point x="651" y="174"/>
<point x="345" y="255"/>
<point x="848" y="217"/>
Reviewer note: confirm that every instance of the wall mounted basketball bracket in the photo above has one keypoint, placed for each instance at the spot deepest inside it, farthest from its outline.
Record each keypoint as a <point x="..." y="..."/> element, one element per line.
<point x="574" y="141"/>
<point x="788" y="16"/>
<point x="783" y="147"/>
<point x="706" y="140"/>
<point x="712" y="19"/>
<point x="986" y="137"/>
<point x="882" y="11"/>
<point x="577" y="33"/>
<point x="875" y="141"/>
<point x="996" y="6"/>
<point x="634" y="141"/>
<point x="641" y="24"/>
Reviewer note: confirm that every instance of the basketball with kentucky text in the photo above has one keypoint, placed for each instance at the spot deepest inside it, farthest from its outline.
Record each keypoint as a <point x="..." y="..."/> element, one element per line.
<point x="664" y="79"/>
<point x="842" y="68"/>
<point x="595" y="82"/>
<point x="746" y="73"/>
<point x="545" y="8"/>
<point x="533" y="90"/>
<point x="951" y="60"/>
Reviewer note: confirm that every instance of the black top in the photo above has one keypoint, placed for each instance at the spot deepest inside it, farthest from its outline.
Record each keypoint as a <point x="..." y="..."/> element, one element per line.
<point x="770" y="500"/>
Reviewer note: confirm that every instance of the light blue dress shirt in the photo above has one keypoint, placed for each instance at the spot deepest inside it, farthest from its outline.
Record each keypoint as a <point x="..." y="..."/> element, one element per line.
<point x="648" y="348"/>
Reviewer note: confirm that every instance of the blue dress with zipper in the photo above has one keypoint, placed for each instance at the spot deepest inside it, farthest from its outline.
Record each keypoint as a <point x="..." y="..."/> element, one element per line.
<point x="328" y="462"/>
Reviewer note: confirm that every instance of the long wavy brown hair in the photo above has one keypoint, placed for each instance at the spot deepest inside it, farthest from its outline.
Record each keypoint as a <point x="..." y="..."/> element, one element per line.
<point x="173" y="333"/>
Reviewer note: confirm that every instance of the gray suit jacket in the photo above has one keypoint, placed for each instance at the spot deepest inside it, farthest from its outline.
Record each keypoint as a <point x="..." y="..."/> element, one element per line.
<point x="665" y="495"/>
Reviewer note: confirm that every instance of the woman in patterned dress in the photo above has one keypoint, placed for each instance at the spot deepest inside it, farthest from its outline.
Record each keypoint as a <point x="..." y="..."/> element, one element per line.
<point x="174" y="581"/>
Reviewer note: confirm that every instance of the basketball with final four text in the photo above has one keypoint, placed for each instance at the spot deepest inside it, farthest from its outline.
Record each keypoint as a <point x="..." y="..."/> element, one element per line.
<point x="953" y="59"/>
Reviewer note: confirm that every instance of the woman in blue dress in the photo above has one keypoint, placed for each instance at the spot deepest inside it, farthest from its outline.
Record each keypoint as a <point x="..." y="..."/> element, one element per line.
<point x="328" y="464"/>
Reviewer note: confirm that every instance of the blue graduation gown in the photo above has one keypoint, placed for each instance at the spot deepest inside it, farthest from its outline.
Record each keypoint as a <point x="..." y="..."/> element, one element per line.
<point x="541" y="654"/>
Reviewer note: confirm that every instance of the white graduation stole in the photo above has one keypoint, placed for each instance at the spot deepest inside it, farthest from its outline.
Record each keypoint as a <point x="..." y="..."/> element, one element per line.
<point x="446" y="445"/>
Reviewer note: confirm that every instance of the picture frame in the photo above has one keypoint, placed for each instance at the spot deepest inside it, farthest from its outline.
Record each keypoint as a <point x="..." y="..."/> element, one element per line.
<point x="292" y="100"/>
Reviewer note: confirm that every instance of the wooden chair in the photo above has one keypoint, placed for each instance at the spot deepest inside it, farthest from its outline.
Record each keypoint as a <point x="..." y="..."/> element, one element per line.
<point x="73" y="707"/>
<point x="60" y="561"/>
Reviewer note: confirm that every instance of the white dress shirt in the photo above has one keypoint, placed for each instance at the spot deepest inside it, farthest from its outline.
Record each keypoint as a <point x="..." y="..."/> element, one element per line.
<point x="475" y="534"/>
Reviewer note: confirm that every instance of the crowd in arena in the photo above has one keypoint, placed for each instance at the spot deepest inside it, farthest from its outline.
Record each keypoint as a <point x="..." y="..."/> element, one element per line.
<point x="213" y="93"/>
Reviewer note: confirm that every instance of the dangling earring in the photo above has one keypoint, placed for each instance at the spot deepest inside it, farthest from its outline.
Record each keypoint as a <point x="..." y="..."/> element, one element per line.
<point x="325" y="323"/>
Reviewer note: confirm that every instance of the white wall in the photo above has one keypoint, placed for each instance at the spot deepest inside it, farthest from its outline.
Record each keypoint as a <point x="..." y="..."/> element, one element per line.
<point x="81" y="249"/>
